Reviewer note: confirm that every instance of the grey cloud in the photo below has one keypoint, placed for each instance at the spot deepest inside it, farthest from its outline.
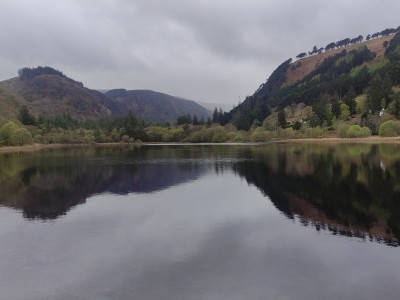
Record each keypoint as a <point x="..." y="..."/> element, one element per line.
<point x="204" y="50"/>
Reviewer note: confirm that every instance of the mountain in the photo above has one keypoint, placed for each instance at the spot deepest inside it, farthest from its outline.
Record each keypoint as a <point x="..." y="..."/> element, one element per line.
<point x="155" y="107"/>
<point x="48" y="92"/>
<point x="211" y="106"/>
<point x="365" y="76"/>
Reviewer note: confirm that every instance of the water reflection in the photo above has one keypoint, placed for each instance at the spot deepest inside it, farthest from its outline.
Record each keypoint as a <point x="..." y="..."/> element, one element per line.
<point x="350" y="190"/>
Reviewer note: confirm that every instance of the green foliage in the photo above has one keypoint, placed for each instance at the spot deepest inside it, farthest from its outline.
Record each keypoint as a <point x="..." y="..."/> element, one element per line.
<point x="379" y="89"/>
<point x="371" y="121"/>
<point x="7" y="134"/>
<point x="336" y="111"/>
<point x="341" y="130"/>
<point x="393" y="45"/>
<point x="12" y="135"/>
<point x="282" y="118"/>
<point x="314" y="132"/>
<point x="259" y="135"/>
<point x="350" y="100"/>
<point x="25" y="117"/>
<point x="390" y="128"/>
<point x="356" y="131"/>
<point x="28" y="73"/>
<point x="219" y="135"/>
<point x="297" y="125"/>
<point x="344" y="111"/>
<point x="379" y="66"/>
<point x="315" y="121"/>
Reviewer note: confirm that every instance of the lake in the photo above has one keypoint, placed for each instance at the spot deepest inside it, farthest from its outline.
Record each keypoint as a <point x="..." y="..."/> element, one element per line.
<point x="272" y="221"/>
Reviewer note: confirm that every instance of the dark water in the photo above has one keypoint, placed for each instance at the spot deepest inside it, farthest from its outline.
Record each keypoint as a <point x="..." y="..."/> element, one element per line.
<point x="279" y="221"/>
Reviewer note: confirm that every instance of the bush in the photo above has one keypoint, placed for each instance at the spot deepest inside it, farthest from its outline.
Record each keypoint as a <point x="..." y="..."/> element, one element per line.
<point x="314" y="133"/>
<point x="390" y="128"/>
<point x="356" y="131"/>
<point x="219" y="135"/>
<point x="12" y="135"/>
<point x="7" y="134"/>
<point x="23" y="137"/>
<point x="259" y="135"/>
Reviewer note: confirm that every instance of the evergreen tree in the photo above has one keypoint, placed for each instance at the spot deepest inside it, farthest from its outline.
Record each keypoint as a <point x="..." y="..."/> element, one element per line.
<point x="336" y="107"/>
<point x="350" y="100"/>
<point x="25" y="117"/>
<point x="215" y="115"/>
<point x="378" y="93"/>
<point x="282" y="118"/>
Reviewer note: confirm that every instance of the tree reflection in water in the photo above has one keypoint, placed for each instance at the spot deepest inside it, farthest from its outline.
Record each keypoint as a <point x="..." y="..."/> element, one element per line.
<point x="348" y="189"/>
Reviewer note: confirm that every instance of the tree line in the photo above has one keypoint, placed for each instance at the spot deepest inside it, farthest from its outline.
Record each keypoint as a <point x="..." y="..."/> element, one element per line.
<point x="348" y="41"/>
<point x="30" y="73"/>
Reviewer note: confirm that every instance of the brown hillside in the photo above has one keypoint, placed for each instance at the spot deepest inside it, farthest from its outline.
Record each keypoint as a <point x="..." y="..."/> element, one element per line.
<point x="302" y="67"/>
<point x="52" y="95"/>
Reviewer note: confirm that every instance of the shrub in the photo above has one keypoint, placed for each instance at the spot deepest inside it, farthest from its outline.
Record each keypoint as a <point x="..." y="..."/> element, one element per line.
<point x="22" y="137"/>
<point x="314" y="133"/>
<point x="356" y="131"/>
<point x="390" y="128"/>
<point x="7" y="134"/>
<point x="219" y="135"/>
<point x="259" y="135"/>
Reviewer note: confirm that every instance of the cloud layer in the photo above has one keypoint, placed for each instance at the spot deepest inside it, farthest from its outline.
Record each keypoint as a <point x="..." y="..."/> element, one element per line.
<point x="210" y="50"/>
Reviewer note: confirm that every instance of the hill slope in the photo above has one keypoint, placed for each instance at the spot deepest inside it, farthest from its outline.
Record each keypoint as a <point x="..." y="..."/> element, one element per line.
<point x="48" y="92"/>
<point x="155" y="107"/>
<point x="54" y="94"/>
<point x="301" y="68"/>
<point x="324" y="81"/>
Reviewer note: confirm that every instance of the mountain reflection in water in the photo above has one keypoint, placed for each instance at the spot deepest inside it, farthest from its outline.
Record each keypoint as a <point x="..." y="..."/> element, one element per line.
<point x="348" y="189"/>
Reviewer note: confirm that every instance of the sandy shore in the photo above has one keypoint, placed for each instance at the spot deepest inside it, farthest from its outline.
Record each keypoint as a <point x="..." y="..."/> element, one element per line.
<point x="368" y="140"/>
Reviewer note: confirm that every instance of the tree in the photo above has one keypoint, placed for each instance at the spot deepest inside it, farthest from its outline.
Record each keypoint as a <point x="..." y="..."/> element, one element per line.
<point x="297" y="125"/>
<point x="195" y="120"/>
<point x="344" y="111"/>
<point x="336" y="108"/>
<point x="378" y="93"/>
<point x="282" y="118"/>
<point x="215" y="115"/>
<point x="7" y="134"/>
<point x="301" y="55"/>
<point x="330" y="46"/>
<point x="25" y="117"/>
<point x="385" y="44"/>
<point x="350" y="100"/>
<point x="315" y="121"/>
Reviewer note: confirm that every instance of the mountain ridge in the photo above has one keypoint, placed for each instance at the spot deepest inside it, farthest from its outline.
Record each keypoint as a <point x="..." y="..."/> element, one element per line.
<point x="48" y="92"/>
<point x="156" y="107"/>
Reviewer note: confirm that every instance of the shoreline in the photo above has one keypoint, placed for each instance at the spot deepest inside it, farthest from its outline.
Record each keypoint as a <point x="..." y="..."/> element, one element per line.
<point x="333" y="140"/>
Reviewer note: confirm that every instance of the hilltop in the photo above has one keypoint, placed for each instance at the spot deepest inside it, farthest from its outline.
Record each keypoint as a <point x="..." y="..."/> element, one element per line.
<point x="48" y="92"/>
<point x="302" y="67"/>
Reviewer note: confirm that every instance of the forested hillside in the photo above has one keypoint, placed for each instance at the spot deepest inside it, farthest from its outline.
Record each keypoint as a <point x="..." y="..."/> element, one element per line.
<point x="155" y="107"/>
<point x="351" y="81"/>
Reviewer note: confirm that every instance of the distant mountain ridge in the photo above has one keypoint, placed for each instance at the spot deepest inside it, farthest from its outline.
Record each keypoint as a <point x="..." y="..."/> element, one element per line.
<point x="48" y="92"/>
<point x="156" y="107"/>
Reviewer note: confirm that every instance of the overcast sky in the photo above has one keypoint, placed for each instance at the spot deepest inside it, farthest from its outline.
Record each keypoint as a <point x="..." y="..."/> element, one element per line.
<point x="207" y="50"/>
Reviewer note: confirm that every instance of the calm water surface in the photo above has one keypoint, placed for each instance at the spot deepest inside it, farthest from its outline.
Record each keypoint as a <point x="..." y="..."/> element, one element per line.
<point x="278" y="221"/>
